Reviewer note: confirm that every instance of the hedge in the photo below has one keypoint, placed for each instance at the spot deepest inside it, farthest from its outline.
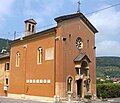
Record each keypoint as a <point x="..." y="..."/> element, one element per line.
<point x="108" y="90"/>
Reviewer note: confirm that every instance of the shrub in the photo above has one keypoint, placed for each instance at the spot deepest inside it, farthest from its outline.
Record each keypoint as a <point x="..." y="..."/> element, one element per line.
<point x="104" y="95"/>
<point x="108" y="90"/>
<point x="87" y="96"/>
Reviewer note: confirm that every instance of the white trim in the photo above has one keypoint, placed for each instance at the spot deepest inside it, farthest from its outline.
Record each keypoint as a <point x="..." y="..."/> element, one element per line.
<point x="41" y="81"/>
<point x="31" y="81"/>
<point x="45" y="81"/>
<point x="34" y="81"/>
<point x="27" y="81"/>
<point x="37" y="81"/>
<point x="48" y="81"/>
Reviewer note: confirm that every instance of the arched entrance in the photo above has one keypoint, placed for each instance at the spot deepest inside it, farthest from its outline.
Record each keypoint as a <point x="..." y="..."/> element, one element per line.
<point x="82" y="75"/>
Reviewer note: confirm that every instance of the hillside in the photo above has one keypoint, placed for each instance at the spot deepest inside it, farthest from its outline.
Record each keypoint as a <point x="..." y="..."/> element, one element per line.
<point x="4" y="44"/>
<point x="108" y="66"/>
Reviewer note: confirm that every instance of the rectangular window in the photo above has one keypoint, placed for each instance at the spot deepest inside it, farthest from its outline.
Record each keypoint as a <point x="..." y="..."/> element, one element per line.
<point x="6" y="81"/>
<point x="7" y="66"/>
<point x="17" y="59"/>
<point x="49" y="54"/>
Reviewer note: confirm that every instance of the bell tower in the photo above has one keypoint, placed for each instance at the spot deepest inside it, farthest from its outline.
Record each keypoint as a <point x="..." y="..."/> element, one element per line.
<point x="30" y="27"/>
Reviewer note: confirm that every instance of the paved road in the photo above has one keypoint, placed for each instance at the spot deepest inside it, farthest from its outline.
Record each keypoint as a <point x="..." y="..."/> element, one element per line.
<point x="8" y="100"/>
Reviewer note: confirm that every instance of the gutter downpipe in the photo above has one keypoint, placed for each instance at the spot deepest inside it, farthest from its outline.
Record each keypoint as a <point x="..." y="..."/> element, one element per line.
<point x="55" y="63"/>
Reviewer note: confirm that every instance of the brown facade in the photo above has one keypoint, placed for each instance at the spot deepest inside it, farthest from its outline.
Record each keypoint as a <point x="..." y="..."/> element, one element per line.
<point x="67" y="60"/>
<point x="66" y="52"/>
<point x="29" y="70"/>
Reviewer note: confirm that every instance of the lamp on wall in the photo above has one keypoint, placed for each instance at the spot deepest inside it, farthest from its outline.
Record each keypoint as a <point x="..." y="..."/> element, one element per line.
<point x="25" y="46"/>
<point x="64" y="38"/>
<point x="94" y="47"/>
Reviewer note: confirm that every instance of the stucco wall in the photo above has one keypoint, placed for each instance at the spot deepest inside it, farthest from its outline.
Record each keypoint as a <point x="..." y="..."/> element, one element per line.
<point x="3" y="75"/>
<point x="26" y="78"/>
<point x="67" y="51"/>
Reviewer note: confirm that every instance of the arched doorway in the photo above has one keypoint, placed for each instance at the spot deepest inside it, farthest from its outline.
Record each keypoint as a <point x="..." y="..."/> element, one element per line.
<point x="82" y="74"/>
<point x="81" y="83"/>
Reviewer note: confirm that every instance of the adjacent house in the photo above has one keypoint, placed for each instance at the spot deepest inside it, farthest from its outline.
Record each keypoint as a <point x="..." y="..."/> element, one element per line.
<point x="58" y="61"/>
<point x="4" y="73"/>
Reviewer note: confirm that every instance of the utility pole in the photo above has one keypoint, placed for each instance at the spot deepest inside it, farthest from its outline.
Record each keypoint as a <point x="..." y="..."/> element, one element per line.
<point x="14" y="35"/>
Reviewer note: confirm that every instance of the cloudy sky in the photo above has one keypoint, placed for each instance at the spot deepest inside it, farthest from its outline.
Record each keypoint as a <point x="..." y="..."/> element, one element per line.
<point x="13" y="13"/>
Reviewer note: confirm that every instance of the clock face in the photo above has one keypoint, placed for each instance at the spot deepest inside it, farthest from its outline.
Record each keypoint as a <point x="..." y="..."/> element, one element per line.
<point x="79" y="43"/>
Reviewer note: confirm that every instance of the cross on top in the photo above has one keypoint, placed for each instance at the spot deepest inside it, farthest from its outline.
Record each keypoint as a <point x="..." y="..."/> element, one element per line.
<point x="78" y="11"/>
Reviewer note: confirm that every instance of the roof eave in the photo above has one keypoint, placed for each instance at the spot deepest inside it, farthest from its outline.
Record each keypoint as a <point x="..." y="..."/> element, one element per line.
<point x="38" y="34"/>
<point x="80" y="15"/>
<point x="87" y="22"/>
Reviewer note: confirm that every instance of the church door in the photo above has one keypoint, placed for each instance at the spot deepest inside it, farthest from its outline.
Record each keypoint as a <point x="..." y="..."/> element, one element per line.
<point x="79" y="87"/>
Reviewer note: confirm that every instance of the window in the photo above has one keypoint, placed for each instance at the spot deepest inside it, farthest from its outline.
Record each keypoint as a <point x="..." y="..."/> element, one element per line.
<point x="84" y="64"/>
<point x="7" y="66"/>
<point x="33" y="28"/>
<point x="69" y="84"/>
<point x="39" y="56"/>
<point x="29" y="27"/>
<point x="6" y="81"/>
<point x="17" y="59"/>
<point x="79" y="43"/>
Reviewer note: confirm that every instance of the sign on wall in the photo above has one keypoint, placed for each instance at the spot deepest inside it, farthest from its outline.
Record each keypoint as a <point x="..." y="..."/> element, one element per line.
<point x="49" y="54"/>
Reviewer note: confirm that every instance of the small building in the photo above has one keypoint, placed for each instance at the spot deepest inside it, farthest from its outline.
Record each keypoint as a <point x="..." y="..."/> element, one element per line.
<point x="58" y="61"/>
<point x="4" y="73"/>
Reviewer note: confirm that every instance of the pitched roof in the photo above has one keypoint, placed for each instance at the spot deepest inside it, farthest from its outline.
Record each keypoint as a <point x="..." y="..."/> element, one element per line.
<point x="80" y="57"/>
<point x="76" y="15"/>
<point x="31" y="21"/>
<point x="35" y="35"/>
<point x="3" y="56"/>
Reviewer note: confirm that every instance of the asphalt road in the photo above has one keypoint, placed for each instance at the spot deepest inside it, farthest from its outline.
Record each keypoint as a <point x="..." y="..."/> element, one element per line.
<point x="9" y="100"/>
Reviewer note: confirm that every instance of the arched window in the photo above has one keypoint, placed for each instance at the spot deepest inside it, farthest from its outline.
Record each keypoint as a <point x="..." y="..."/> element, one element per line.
<point x="84" y="64"/>
<point x="69" y="84"/>
<point x="33" y="27"/>
<point x="29" y="27"/>
<point x="85" y="69"/>
<point x="39" y="55"/>
<point x="17" y="59"/>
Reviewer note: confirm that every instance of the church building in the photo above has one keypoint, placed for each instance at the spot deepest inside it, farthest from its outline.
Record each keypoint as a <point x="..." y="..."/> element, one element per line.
<point x="58" y="61"/>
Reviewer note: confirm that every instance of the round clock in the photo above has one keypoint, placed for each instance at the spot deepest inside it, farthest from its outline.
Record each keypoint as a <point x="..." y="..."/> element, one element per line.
<point x="79" y="43"/>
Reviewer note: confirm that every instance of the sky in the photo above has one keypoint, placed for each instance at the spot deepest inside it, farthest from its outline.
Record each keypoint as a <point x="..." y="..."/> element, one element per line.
<point x="13" y="13"/>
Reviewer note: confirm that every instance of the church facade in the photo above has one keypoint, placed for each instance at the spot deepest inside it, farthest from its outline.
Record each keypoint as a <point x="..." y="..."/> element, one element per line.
<point x="58" y="61"/>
